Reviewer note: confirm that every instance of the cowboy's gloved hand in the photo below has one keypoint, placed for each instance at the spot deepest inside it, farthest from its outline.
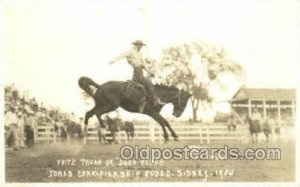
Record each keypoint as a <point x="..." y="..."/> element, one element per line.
<point x="151" y="74"/>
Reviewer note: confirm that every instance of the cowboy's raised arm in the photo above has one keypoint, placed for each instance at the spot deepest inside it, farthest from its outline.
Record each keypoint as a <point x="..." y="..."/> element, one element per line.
<point x="121" y="56"/>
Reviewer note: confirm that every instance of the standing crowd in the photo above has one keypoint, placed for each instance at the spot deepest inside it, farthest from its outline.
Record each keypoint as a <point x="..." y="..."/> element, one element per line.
<point x="22" y="116"/>
<point x="271" y="121"/>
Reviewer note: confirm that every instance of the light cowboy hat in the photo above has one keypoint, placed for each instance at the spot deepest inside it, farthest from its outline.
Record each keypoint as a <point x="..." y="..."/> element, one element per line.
<point x="28" y="110"/>
<point x="138" y="42"/>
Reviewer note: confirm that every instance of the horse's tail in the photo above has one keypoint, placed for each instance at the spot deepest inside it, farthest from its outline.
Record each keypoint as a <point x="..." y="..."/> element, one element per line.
<point x="85" y="83"/>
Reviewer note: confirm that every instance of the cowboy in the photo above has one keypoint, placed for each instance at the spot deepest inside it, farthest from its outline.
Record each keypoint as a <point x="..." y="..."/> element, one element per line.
<point x="135" y="59"/>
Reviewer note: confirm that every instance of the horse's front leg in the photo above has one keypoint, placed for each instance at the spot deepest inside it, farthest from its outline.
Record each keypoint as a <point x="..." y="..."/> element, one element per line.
<point x="160" y="120"/>
<point x="170" y="128"/>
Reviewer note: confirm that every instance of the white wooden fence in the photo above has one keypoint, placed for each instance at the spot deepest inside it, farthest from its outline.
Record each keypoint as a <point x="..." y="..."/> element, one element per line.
<point x="153" y="132"/>
<point x="195" y="132"/>
<point x="45" y="134"/>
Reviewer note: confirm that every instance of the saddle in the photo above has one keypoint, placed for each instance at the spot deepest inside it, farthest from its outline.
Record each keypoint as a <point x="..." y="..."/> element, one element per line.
<point x="133" y="84"/>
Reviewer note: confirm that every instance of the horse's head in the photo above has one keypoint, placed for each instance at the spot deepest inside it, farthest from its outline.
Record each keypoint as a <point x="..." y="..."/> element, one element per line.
<point x="180" y="102"/>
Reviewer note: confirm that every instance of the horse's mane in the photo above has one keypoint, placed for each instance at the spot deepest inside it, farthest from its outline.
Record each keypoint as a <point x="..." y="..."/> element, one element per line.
<point x="162" y="86"/>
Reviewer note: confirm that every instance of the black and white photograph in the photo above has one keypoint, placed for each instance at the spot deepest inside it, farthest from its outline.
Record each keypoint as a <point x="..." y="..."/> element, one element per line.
<point x="137" y="91"/>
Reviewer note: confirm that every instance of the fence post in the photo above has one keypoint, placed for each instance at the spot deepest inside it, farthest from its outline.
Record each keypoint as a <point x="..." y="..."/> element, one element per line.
<point x="54" y="136"/>
<point x="119" y="136"/>
<point x="84" y="140"/>
<point x="152" y="132"/>
<point x="48" y="134"/>
<point x="241" y="135"/>
<point x="244" y="134"/>
<point x="200" y="133"/>
<point x="207" y="134"/>
<point x="35" y="130"/>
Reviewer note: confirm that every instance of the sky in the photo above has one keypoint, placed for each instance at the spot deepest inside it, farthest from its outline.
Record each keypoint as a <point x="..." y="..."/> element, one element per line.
<point x="48" y="45"/>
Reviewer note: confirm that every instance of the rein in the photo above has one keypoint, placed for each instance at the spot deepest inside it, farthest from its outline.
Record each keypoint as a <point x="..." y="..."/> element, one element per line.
<point x="177" y="96"/>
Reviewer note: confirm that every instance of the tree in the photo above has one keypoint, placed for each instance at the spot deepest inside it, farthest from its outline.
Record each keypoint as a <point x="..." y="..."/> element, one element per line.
<point x="193" y="66"/>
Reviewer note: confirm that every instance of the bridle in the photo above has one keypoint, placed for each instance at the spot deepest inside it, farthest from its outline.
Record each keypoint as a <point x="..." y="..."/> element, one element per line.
<point x="178" y="97"/>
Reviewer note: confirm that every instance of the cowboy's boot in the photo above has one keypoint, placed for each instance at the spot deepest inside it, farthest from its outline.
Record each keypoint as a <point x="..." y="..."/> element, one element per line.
<point x="156" y="102"/>
<point x="142" y="105"/>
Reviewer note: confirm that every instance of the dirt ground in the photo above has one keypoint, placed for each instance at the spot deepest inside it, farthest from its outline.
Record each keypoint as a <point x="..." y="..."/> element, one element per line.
<point x="67" y="163"/>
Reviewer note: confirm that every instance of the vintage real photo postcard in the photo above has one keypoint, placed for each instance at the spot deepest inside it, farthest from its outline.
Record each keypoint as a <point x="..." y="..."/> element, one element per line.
<point x="149" y="91"/>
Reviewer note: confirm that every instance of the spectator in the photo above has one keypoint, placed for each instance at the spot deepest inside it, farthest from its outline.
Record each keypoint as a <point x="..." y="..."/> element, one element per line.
<point x="30" y="128"/>
<point x="11" y="121"/>
<point x="42" y="108"/>
<point x="7" y="90"/>
<point x="232" y="122"/>
<point x="272" y="120"/>
<point x="20" y="130"/>
<point x="34" y="105"/>
<point x="256" y="117"/>
<point x="15" y="92"/>
<point x="27" y="108"/>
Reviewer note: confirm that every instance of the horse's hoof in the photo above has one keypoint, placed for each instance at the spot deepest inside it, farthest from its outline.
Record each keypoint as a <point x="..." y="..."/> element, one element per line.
<point x="176" y="139"/>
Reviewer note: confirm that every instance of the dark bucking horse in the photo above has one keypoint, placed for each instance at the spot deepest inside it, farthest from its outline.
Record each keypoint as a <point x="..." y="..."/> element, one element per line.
<point x="113" y="94"/>
<point x="255" y="128"/>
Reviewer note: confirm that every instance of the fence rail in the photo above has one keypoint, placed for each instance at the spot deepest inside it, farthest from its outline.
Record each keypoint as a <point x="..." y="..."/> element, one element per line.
<point x="153" y="132"/>
<point x="202" y="133"/>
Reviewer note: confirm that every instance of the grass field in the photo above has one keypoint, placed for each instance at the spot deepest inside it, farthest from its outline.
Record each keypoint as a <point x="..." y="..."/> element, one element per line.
<point x="40" y="164"/>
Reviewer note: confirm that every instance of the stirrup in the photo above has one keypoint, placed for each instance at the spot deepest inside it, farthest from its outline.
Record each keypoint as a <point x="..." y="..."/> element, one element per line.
<point x="159" y="102"/>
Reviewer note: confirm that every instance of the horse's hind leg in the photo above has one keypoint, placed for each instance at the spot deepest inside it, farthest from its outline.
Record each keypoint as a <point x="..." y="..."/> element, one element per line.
<point x="100" y="120"/>
<point x="99" y="111"/>
<point x="102" y="110"/>
<point x="88" y="115"/>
